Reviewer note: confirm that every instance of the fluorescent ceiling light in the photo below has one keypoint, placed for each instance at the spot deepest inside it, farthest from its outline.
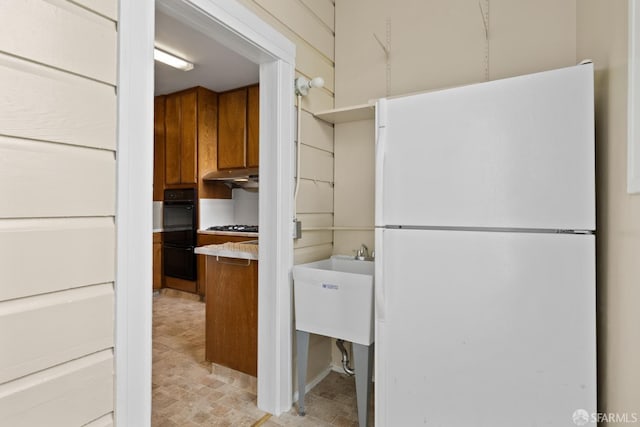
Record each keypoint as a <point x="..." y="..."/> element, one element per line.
<point x="171" y="60"/>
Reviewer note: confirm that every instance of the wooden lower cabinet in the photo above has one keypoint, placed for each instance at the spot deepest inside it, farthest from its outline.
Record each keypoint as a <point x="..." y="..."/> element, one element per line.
<point x="211" y="239"/>
<point x="232" y="313"/>
<point x="157" y="261"/>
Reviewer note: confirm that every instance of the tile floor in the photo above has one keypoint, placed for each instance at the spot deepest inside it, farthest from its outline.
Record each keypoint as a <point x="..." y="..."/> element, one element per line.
<point x="188" y="392"/>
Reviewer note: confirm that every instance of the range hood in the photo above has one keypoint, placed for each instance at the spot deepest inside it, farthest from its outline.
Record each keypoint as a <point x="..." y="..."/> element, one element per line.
<point x="235" y="178"/>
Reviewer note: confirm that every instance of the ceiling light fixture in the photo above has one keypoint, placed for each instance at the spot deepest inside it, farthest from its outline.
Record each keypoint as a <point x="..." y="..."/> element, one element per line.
<point x="172" y="60"/>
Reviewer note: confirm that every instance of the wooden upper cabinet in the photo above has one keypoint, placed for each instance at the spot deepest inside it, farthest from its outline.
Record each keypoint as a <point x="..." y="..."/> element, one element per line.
<point x="173" y="144"/>
<point x="232" y="129"/>
<point x="189" y="138"/>
<point x="158" y="148"/>
<point x="253" y="125"/>
<point x="181" y="137"/>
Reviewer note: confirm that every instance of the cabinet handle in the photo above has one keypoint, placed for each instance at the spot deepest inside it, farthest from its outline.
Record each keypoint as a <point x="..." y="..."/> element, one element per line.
<point x="246" y="263"/>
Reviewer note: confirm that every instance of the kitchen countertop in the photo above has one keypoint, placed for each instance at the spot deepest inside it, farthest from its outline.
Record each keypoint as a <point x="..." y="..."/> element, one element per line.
<point x="242" y="250"/>
<point x="229" y="233"/>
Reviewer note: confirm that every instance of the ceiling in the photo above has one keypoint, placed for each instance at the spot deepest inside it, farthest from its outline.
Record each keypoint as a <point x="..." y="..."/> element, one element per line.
<point x="215" y="67"/>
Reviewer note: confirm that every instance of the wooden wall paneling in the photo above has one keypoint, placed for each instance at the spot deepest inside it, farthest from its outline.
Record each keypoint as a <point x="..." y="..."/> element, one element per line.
<point x="315" y="197"/>
<point x="303" y="22"/>
<point x="316" y="164"/>
<point x="66" y="252"/>
<point x="46" y="330"/>
<point x="314" y="238"/>
<point x="107" y="8"/>
<point x="316" y="220"/>
<point x="312" y="253"/>
<point x="158" y="147"/>
<point x="62" y="107"/>
<point x="324" y="10"/>
<point x="53" y="180"/>
<point x="312" y="63"/>
<point x="61" y="35"/>
<point x="309" y="60"/>
<point x="253" y="126"/>
<point x="317" y="133"/>
<point x="71" y="394"/>
<point x="189" y="137"/>
<point x="173" y="134"/>
<point x="232" y="125"/>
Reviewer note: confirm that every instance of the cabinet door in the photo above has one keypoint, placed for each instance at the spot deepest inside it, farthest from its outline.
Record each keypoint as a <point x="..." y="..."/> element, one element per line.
<point x="253" y="126"/>
<point x="232" y="127"/>
<point x="188" y="137"/>
<point x="232" y="314"/>
<point x="172" y="139"/>
<point x="158" y="148"/>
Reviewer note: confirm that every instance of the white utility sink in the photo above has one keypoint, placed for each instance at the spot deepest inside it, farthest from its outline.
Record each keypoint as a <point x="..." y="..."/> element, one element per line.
<point x="334" y="297"/>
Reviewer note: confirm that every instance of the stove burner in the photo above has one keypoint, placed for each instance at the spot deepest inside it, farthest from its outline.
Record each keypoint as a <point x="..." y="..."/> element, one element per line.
<point x="238" y="228"/>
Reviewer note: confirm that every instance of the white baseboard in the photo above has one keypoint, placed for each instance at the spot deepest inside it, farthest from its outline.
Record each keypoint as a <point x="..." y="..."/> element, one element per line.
<point x="337" y="368"/>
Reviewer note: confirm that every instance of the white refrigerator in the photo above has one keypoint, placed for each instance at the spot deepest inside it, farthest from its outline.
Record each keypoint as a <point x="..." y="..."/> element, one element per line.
<point x="485" y="254"/>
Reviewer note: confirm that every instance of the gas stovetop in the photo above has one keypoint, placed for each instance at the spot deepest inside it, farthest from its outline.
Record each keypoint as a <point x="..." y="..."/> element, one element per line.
<point x="236" y="228"/>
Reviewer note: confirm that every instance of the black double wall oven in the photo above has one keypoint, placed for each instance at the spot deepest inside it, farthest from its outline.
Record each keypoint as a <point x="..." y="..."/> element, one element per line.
<point x="180" y="233"/>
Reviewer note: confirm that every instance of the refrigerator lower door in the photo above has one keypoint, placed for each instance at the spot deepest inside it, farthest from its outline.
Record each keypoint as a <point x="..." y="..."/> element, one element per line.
<point x="484" y="328"/>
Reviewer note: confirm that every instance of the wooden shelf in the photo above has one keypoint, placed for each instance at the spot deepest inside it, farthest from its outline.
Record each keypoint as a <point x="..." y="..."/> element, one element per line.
<point x="347" y="114"/>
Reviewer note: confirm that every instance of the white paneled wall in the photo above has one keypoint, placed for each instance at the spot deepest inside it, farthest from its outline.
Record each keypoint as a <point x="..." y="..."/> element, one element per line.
<point x="310" y="25"/>
<point x="57" y="232"/>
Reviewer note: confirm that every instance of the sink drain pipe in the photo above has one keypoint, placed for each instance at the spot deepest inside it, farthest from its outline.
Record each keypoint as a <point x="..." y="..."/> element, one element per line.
<point x="345" y="358"/>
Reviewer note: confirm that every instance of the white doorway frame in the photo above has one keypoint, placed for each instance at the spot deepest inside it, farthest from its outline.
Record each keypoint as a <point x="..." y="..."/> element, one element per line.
<point x="236" y="27"/>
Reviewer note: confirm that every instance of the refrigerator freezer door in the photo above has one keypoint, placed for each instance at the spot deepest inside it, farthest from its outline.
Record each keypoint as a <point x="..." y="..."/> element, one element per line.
<point x="512" y="153"/>
<point x="485" y="329"/>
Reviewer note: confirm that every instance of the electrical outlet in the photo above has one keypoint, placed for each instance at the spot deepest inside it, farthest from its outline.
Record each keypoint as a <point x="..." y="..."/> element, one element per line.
<point x="297" y="229"/>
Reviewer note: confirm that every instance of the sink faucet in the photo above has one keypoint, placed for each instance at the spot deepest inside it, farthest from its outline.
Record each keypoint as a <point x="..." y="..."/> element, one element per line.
<point x="363" y="252"/>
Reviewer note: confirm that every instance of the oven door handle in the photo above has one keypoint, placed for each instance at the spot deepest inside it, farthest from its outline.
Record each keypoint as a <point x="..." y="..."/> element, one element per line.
<point x="188" y="205"/>
<point x="169" y="228"/>
<point x="181" y="247"/>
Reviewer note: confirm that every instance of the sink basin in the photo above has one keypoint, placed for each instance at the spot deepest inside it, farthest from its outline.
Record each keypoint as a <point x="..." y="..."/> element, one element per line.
<point x="334" y="297"/>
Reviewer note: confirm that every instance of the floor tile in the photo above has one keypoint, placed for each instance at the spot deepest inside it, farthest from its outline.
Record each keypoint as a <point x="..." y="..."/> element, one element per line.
<point x="187" y="391"/>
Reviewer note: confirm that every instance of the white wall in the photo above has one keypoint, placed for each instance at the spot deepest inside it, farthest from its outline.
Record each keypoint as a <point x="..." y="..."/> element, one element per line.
<point x="57" y="232"/>
<point x="242" y="208"/>
<point x="602" y="36"/>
